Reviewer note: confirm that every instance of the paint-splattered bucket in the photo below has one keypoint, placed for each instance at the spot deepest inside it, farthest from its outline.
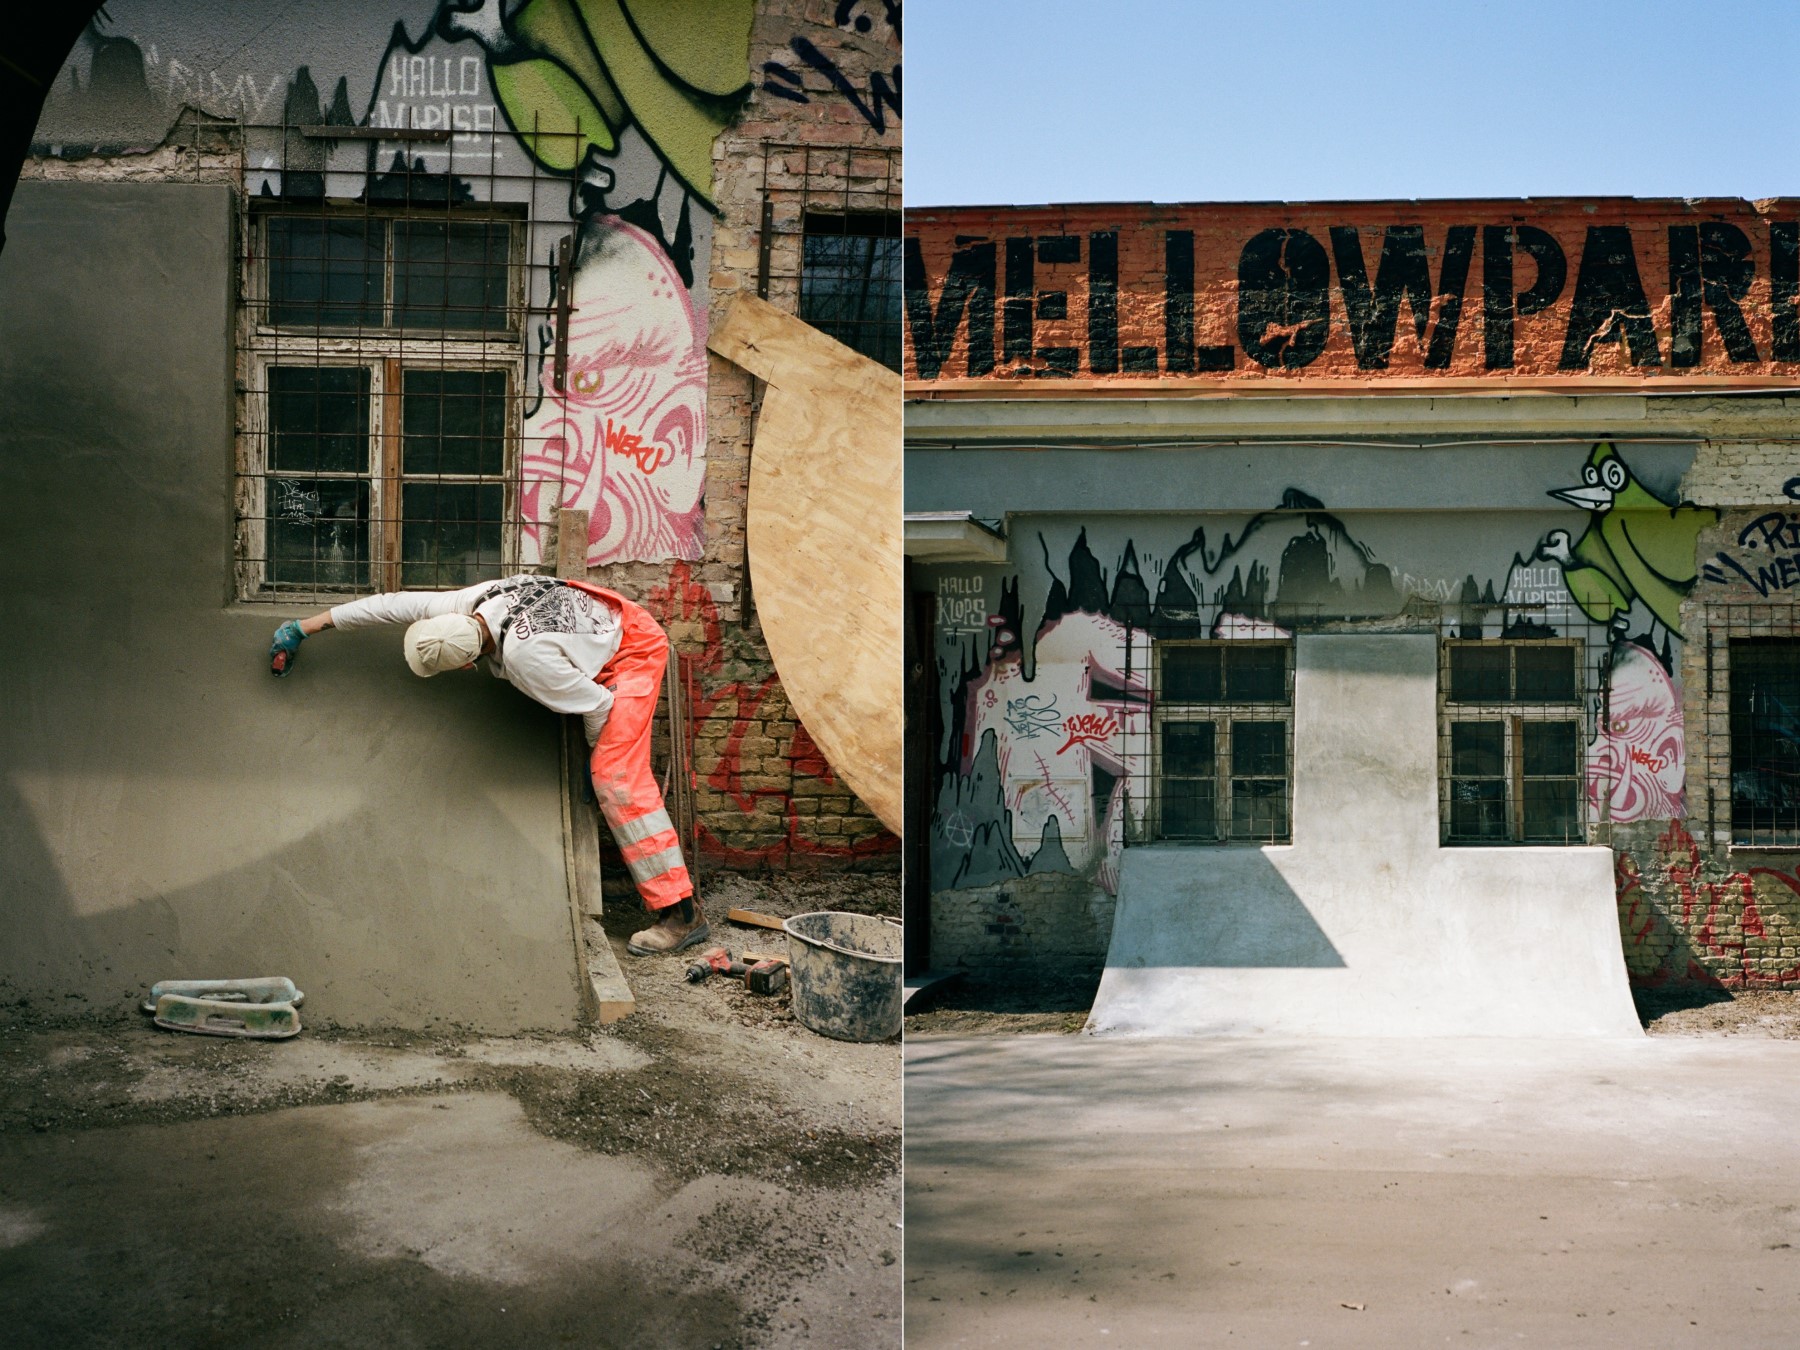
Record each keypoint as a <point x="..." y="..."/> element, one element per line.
<point x="846" y="971"/>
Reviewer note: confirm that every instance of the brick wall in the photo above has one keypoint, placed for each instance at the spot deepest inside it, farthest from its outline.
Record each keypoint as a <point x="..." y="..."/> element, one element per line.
<point x="1694" y="909"/>
<point x="1456" y="294"/>
<point x="1024" y="928"/>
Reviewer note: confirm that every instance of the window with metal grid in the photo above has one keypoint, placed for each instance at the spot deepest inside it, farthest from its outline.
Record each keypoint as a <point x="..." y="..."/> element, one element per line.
<point x="1222" y="748"/>
<point x="385" y="350"/>
<point x="850" y="280"/>
<point x="1765" y="740"/>
<point x="1511" y="742"/>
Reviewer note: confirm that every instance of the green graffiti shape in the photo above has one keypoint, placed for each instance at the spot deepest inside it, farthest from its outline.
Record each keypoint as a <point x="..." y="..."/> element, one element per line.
<point x="1636" y="546"/>
<point x="583" y="70"/>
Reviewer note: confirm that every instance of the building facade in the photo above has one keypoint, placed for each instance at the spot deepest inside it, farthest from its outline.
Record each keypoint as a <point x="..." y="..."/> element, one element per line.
<point x="1535" y="460"/>
<point x="329" y="299"/>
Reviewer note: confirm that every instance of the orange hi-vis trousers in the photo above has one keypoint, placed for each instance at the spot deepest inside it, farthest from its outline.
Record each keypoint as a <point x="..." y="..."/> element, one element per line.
<point x="630" y="801"/>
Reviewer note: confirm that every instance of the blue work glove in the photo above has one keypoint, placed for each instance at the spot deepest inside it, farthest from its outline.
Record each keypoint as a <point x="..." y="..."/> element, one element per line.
<point x="285" y="649"/>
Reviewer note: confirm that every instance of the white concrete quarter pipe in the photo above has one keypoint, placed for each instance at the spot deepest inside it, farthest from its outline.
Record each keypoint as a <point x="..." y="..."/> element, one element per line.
<point x="1365" y="925"/>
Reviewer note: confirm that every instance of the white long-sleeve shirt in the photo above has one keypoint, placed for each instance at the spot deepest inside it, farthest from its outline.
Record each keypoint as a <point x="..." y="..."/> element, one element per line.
<point x="550" y="641"/>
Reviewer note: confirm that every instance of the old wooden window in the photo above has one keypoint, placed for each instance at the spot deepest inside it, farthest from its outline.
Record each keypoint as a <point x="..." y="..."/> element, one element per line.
<point x="1511" y="742"/>
<point x="1765" y="740"/>
<point x="1223" y="741"/>
<point x="381" y="411"/>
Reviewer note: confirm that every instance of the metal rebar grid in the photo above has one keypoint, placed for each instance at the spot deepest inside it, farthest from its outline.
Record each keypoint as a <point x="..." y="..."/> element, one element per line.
<point x="1515" y="723"/>
<point x="1221" y="741"/>
<point x="393" y="319"/>
<point x="830" y="242"/>
<point x="1527" y="745"/>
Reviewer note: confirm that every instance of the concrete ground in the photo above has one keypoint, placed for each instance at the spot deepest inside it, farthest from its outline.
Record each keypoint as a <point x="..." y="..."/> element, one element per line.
<point x="703" y="1173"/>
<point x="1069" y="1191"/>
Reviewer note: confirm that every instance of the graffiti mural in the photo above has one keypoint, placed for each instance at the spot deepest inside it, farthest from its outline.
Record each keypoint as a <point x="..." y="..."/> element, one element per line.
<point x="1637" y="763"/>
<point x="1766" y="556"/>
<point x="1046" y="761"/>
<point x="598" y="117"/>
<point x="1686" y="919"/>
<point x="625" y="439"/>
<point x="786" y="79"/>
<point x="1636" y="547"/>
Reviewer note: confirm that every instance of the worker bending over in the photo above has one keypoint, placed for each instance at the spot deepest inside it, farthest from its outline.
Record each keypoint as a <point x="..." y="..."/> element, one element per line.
<point x="575" y="648"/>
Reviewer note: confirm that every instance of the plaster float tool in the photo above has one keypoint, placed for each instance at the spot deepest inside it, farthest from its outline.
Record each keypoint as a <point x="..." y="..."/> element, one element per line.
<point x="264" y="1009"/>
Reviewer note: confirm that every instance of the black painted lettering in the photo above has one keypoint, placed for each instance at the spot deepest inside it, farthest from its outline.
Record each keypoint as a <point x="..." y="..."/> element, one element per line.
<point x="1453" y="280"/>
<point x="1374" y="312"/>
<point x="1103" y="302"/>
<point x="1727" y="268"/>
<point x="1016" y="335"/>
<point x="1711" y="264"/>
<point x="968" y="288"/>
<point x="1284" y="298"/>
<point x="1499" y="303"/>
<point x="1784" y="288"/>
<point x="1685" y="337"/>
<point x="1609" y="303"/>
<point x="1497" y="296"/>
<point x="1059" y="363"/>
<point x="1178" y="301"/>
<point x="1403" y="274"/>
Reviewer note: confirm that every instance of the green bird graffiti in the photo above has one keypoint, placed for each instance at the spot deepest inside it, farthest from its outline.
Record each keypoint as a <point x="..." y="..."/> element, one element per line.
<point x="572" y="75"/>
<point x="1636" y="546"/>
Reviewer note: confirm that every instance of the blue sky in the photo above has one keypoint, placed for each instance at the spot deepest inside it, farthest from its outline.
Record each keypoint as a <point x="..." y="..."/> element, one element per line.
<point x="1196" y="100"/>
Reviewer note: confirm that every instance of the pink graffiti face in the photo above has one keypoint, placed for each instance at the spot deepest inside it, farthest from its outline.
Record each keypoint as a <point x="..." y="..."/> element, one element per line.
<point x="626" y="440"/>
<point x="1638" y="765"/>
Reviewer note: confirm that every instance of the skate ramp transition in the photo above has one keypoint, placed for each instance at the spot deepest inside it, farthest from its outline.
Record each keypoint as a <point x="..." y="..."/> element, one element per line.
<point x="1364" y="925"/>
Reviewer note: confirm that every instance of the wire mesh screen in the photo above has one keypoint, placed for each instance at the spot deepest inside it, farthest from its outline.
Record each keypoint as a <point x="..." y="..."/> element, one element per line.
<point x="1513" y="739"/>
<point x="830" y="242"/>
<point x="392" y="320"/>
<point x="1218" y="766"/>
<point x="1207" y="724"/>
<point x="1747" y="752"/>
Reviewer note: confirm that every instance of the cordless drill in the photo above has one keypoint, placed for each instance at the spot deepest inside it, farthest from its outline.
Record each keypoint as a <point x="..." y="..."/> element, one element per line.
<point x="767" y="976"/>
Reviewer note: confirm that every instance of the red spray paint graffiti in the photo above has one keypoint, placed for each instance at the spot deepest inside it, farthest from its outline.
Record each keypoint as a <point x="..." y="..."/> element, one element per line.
<point x="737" y="709"/>
<point x="1738" y="930"/>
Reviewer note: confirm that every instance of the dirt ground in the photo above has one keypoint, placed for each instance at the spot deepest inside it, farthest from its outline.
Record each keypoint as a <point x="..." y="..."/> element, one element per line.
<point x="970" y="1007"/>
<point x="706" y="1172"/>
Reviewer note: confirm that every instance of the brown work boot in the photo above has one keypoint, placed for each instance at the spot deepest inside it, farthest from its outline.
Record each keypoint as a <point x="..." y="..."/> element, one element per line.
<point x="669" y="934"/>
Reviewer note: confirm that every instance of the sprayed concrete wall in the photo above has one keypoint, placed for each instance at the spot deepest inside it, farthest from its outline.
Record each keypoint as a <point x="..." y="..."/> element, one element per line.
<point x="1365" y="924"/>
<point x="170" y="811"/>
<point x="656" y="162"/>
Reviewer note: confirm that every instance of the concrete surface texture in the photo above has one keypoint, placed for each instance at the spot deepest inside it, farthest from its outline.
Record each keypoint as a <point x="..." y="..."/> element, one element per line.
<point x="1364" y="925"/>
<point x="1351" y="1193"/>
<point x="704" y="1173"/>
<point x="167" y="809"/>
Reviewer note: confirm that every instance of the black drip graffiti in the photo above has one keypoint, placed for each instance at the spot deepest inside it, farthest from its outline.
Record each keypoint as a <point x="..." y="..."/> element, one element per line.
<point x="884" y="86"/>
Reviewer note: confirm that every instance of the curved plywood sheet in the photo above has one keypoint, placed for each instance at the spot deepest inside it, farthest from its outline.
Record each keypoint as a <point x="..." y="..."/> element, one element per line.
<point x="824" y="539"/>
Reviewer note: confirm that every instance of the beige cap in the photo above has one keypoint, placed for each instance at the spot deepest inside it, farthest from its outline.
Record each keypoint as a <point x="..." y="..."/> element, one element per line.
<point x="448" y="642"/>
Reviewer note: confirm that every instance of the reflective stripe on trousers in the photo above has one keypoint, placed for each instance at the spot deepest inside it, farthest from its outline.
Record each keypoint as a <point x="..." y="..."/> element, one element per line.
<point x="630" y="800"/>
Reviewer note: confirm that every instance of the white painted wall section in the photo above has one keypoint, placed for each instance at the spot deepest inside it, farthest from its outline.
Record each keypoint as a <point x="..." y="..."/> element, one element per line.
<point x="1365" y="925"/>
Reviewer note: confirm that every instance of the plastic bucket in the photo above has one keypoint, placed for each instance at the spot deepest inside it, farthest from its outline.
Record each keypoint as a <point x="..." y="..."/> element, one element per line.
<point x="846" y="970"/>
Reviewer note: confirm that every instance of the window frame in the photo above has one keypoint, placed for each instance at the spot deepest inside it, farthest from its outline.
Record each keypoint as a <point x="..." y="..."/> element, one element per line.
<point x="498" y="213"/>
<point x="1223" y="714"/>
<point x="1750" y="836"/>
<point x="862" y="326"/>
<point x="387" y="352"/>
<point x="1513" y="714"/>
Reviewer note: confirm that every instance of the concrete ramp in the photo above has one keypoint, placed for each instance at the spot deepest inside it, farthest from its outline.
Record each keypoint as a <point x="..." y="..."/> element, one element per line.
<point x="1365" y="925"/>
